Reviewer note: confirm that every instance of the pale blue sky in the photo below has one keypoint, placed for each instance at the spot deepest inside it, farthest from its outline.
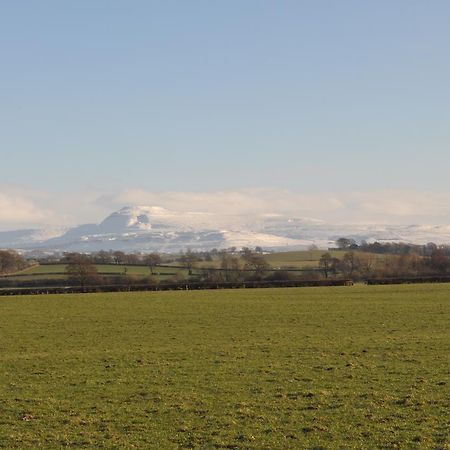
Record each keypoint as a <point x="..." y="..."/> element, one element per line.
<point x="309" y="96"/>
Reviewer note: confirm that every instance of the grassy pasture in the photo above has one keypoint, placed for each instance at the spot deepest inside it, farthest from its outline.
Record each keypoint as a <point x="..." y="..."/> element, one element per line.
<point x="355" y="367"/>
<point x="306" y="258"/>
<point x="57" y="271"/>
<point x="294" y="260"/>
<point x="47" y="269"/>
<point x="299" y="258"/>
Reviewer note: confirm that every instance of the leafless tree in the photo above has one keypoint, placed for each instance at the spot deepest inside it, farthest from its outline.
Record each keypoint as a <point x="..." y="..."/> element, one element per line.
<point x="81" y="271"/>
<point x="152" y="260"/>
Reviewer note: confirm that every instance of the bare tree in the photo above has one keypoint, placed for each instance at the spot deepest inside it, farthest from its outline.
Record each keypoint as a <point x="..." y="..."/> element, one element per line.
<point x="188" y="259"/>
<point x="119" y="257"/>
<point x="231" y="266"/>
<point x="348" y="264"/>
<point x="81" y="271"/>
<point x="326" y="263"/>
<point x="255" y="261"/>
<point x="439" y="261"/>
<point x="11" y="261"/>
<point x="152" y="260"/>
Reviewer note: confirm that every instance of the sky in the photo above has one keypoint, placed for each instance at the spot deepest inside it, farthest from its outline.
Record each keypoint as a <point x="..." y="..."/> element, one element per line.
<point x="337" y="110"/>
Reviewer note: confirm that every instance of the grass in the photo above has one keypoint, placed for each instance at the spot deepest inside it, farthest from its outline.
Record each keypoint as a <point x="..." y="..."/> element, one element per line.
<point x="292" y="260"/>
<point x="356" y="367"/>
<point x="57" y="271"/>
<point x="299" y="258"/>
<point x="308" y="258"/>
<point x="48" y="269"/>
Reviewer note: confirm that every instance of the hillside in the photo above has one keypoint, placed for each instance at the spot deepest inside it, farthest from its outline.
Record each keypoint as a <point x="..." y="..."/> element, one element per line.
<point x="150" y="228"/>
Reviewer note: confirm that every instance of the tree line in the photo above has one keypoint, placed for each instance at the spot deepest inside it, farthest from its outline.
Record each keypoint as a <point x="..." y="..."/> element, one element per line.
<point x="392" y="248"/>
<point x="359" y="262"/>
<point x="244" y="265"/>
<point x="11" y="261"/>
<point x="375" y="261"/>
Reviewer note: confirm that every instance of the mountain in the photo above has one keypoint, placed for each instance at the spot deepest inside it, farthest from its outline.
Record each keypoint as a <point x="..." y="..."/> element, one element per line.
<point x="28" y="238"/>
<point x="152" y="228"/>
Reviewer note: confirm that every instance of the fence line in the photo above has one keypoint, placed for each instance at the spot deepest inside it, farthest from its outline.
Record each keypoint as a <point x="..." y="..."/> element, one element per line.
<point x="171" y="287"/>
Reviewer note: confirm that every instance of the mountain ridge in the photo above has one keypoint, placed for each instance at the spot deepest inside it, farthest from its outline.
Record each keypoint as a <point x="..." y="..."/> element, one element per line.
<point x="154" y="228"/>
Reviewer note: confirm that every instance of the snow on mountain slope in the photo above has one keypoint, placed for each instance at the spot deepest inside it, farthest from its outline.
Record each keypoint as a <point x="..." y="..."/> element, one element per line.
<point x="241" y="239"/>
<point x="144" y="218"/>
<point x="26" y="238"/>
<point x="152" y="228"/>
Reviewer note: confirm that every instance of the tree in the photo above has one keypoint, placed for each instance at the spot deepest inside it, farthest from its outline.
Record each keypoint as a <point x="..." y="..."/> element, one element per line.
<point x="364" y="264"/>
<point x="132" y="258"/>
<point x="345" y="243"/>
<point x="11" y="261"/>
<point x="152" y="260"/>
<point x="80" y="270"/>
<point x="430" y="248"/>
<point x="439" y="262"/>
<point x="255" y="261"/>
<point x="326" y="263"/>
<point x="211" y="276"/>
<point x="348" y="264"/>
<point x="188" y="259"/>
<point x="103" y="257"/>
<point x="119" y="257"/>
<point x="231" y="266"/>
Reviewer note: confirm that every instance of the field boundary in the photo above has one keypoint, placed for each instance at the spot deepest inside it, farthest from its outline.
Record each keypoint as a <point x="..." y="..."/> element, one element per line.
<point x="171" y="287"/>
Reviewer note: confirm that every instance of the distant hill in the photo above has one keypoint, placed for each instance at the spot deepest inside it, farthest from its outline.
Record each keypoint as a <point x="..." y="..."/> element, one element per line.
<point x="152" y="228"/>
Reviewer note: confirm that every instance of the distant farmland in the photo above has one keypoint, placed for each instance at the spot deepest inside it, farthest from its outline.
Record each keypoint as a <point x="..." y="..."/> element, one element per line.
<point x="300" y="260"/>
<point x="355" y="367"/>
<point x="58" y="271"/>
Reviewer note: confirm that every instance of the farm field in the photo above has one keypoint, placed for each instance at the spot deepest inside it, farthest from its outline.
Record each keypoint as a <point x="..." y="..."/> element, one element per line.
<point x="43" y="272"/>
<point x="280" y="260"/>
<point x="307" y="258"/>
<point x="299" y="259"/>
<point x="48" y="269"/>
<point x="352" y="367"/>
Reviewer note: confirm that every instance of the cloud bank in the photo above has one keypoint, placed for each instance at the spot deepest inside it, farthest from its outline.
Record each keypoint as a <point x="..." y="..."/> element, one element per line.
<point x="20" y="208"/>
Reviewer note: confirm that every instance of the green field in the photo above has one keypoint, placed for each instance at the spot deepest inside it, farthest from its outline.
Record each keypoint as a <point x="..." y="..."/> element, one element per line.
<point x="298" y="259"/>
<point x="307" y="258"/>
<point x="48" y="269"/>
<point x="316" y="368"/>
<point x="282" y="260"/>
<point x="57" y="271"/>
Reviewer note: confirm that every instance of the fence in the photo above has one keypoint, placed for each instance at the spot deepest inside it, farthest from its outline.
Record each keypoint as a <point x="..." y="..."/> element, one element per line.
<point x="170" y="286"/>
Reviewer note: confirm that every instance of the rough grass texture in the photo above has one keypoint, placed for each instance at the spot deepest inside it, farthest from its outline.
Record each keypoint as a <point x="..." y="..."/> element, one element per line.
<point x="57" y="271"/>
<point x="356" y="367"/>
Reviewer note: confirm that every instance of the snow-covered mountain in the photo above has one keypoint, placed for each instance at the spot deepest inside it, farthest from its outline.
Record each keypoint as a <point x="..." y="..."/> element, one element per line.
<point x="152" y="228"/>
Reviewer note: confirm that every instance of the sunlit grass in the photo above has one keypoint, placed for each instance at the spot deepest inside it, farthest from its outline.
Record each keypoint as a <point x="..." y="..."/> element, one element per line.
<point x="352" y="367"/>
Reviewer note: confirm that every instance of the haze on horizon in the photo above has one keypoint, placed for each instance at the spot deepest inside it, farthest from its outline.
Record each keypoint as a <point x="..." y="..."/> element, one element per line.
<point x="332" y="110"/>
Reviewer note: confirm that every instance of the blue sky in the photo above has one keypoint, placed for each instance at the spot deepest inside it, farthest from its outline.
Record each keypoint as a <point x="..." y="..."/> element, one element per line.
<point x="309" y="97"/>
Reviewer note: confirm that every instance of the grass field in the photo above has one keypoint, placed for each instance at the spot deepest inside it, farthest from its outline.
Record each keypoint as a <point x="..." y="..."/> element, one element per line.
<point x="291" y="260"/>
<point x="316" y="368"/>
<point x="57" y="271"/>
<point x="299" y="259"/>
<point x="48" y="269"/>
<point x="307" y="259"/>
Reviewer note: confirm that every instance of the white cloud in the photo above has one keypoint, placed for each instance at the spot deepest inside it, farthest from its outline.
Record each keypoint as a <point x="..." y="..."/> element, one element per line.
<point x="21" y="208"/>
<point x="246" y="201"/>
<point x="354" y="207"/>
<point x="25" y="208"/>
